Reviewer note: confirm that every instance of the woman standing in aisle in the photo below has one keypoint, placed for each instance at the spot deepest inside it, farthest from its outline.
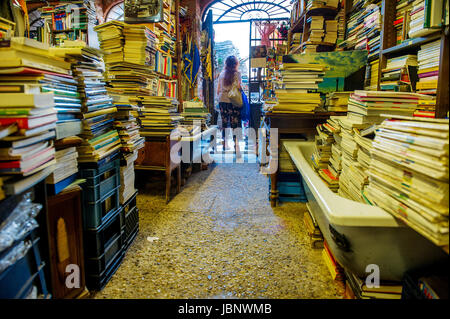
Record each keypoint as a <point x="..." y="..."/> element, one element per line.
<point x="230" y="114"/>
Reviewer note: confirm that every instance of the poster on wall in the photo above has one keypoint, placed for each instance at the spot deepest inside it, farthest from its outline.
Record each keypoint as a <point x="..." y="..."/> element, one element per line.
<point x="143" y="11"/>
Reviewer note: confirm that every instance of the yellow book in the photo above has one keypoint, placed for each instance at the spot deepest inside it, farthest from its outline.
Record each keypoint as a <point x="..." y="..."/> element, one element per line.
<point x="99" y="112"/>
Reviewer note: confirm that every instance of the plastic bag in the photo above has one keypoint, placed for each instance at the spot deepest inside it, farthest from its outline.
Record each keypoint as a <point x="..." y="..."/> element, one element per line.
<point x="14" y="255"/>
<point x="19" y="222"/>
<point x="245" y="110"/>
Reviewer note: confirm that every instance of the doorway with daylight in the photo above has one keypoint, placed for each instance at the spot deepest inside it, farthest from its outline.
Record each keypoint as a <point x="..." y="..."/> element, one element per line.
<point x="255" y="32"/>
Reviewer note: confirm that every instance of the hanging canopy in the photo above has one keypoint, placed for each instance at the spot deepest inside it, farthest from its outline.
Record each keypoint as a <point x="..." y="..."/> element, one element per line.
<point x="245" y="10"/>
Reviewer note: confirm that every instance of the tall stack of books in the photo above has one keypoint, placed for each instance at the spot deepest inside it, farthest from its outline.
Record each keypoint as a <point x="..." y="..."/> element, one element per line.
<point x="101" y="140"/>
<point x="33" y="82"/>
<point x="371" y="77"/>
<point x="428" y="71"/>
<point x="298" y="80"/>
<point x="131" y="62"/>
<point x="399" y="74"/>
<point x="322" y="154"/>
<point x="297" y="10"/>
<point x="409" y="175"/>
<point x="363" y="28"/>
<point x="366" y="106"/>
<point x="335" y="162"/>
<point x="402" y="19"/>
<point x="426" y="17"/>
<point x="354" y="176"/>
<point x="157" y="115"/>
<point x="337" y="101"/>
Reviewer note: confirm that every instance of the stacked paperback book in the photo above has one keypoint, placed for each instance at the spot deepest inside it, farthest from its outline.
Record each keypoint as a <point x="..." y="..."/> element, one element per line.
<point x="322" y="153"/>
<point x="195" y="113"/>
<point x="337" y="101"/>
<point x="363" y="28"/>
<point x="425" y="17"/>
<point x="355" y="155"/>
<point x="298" y="80"/>
<point x="27" y="115"/>
<point x="409" y="175"/>
<point x="366" y="106"/>
<point x="157" y="115"/>
<point x="66" y="169"/>
<point x="126" y="125"/>
<point x="428" y="60"/>
<point x="101" y="140"/>
<point x="371" y="77"/>
<point x="399" y="73"/>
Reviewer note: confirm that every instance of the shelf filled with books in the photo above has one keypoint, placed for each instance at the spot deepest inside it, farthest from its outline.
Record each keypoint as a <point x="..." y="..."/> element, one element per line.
<point x="422" y="39"/>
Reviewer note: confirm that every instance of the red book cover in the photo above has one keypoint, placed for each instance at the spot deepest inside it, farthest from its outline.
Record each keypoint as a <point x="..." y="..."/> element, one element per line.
<point x="398" y="21"/>
<point x="27" y="122"/>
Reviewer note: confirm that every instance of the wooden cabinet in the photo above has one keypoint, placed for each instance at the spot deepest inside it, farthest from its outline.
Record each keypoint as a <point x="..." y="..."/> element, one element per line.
<point x="65" y="240"/>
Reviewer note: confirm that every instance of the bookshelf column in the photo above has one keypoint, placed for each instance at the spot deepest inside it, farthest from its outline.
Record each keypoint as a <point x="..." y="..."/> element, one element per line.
<point x="442" y="102"/>
<point x="179" y="52"/>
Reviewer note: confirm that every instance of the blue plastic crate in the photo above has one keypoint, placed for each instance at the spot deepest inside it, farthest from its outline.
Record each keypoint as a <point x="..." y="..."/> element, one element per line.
<point x="93" y="172"/>
<point x="98" y="212"/>
<point x="97" y="265"/>
<point x="132" y="236"/>
<point x="17" y="280"/>
<point x="96" y="282"/>
<point x="97" y="241"/>
<point x="100" y="185"/>
<point x="131" y="222"/>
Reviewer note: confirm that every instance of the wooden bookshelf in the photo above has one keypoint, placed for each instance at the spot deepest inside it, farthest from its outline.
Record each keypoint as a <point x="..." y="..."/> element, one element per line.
<point x="389" y="49"/>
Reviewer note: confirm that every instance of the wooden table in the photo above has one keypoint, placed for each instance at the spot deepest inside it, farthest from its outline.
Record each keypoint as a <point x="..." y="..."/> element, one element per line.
<point x="155" y="156"/>
<point x="289" y="124"/>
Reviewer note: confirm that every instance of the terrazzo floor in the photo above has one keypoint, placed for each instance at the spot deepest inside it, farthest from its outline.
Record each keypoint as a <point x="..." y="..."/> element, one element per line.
<point x="220" y="238"/>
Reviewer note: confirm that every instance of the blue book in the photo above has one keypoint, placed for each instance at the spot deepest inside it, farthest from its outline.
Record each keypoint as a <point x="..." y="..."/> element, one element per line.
<point x="54" y="189"/>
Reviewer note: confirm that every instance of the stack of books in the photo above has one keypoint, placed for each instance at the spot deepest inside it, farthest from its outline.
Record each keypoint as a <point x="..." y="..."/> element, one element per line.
<point x="331" y="31"/>
<point x="363" y="29"/>
<point x="366" y="106"/>
<point x="354" y="176"/>
<point x="195" y="113"/>
<point x="337" y="101"/>
<point x="295" y="45"/>
<point x="371" y="77"/>
<point x="317" y="28"/>
<point x="386" y="290"/>
<point x="27" y="115"/>
<point x="428" y="71"/>
<point x="66" y="169"/>
<point x="126" y="125"/>
<point x="139" y="45"/>
<point x="340" y="17"/>
<point x="127" y="177"/>
<point x="402" y="19"/>
<point x="6" y="28"/>
<point x="426" y="17"/>
<point x="286" y="165"/>
<point x="409" y="175"/>
<point x="322" y="153"/>
<point x="335" y="162"/>
<point x="157" y="115"/>
<point x="298" y="80"/>
<point x="399" y="73"/>
<point x="101" y="140"/>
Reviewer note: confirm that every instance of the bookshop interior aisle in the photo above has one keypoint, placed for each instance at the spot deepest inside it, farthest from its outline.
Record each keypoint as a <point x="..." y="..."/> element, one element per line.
<point x="115" y="180"/>
<point x="220" y="238"/>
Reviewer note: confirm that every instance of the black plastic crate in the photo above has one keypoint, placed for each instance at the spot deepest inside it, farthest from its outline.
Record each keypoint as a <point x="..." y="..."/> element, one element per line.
<point x="99" y="212"/>
<point x="17" y="280"/>
<point x="98" y="186"/>
<point x="97" y="265"/>
<point x="96" y="241"/>
<point x="129" y="204"/>
<point x="131" y="237"/>
<point x="131" y="221"/>
<point x="96" y="282"/>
